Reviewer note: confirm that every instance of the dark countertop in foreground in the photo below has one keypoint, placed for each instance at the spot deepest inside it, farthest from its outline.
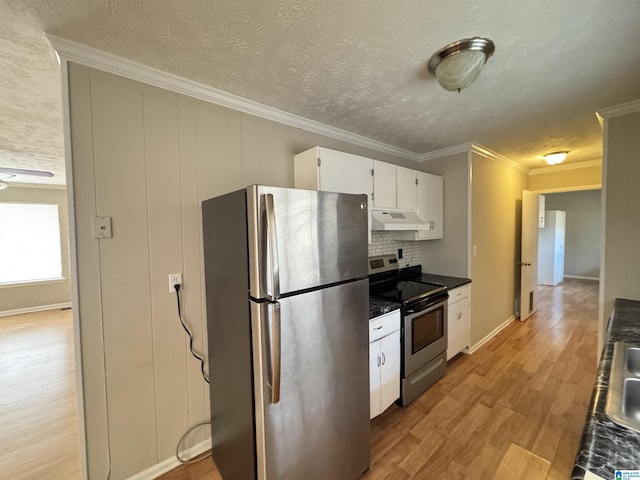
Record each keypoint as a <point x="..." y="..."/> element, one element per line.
<point x="606" y="446"/>
<point x="379" y="306"/>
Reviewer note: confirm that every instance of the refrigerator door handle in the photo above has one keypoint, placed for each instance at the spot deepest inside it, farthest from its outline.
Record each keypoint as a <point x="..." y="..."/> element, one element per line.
<point x="274" y="350"/>
<point x="272" y="247"/>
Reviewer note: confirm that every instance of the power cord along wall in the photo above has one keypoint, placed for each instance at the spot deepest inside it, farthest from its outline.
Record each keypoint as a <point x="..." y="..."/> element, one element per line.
<point x="197" y="458"/>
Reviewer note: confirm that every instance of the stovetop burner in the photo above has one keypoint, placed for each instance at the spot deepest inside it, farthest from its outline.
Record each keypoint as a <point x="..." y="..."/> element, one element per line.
<point x="405" y="291"/>
<point x="404" y="286"/>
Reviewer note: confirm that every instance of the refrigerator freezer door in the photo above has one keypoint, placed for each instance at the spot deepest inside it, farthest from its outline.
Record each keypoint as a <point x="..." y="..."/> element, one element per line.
<point x="304" y="239"/>
<point x="319" y="428"/>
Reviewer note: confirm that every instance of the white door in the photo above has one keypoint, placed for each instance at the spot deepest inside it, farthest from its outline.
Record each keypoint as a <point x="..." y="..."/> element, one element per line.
<point x="529" y="254"/>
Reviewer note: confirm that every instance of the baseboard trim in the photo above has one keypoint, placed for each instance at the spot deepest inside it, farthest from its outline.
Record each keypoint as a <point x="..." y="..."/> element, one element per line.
<point x="493" y="333"/>
<point x="582" y="278"/>
<point x="170" y="463"/>
<point x="41" y="308"/>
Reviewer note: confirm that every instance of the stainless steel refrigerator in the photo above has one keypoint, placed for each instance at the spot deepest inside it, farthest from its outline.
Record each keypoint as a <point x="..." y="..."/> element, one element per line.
<point x="287" y="317"/>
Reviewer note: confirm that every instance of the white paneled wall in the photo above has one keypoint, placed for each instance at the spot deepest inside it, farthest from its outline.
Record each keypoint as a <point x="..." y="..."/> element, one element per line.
<point x="147" y="157"/>
<point x="383" y="244"/>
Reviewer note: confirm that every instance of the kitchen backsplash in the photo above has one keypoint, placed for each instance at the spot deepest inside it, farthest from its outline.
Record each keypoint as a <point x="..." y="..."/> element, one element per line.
<point x="383" y="244"/>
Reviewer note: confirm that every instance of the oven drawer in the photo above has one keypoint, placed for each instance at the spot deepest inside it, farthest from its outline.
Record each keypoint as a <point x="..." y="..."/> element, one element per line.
<point x="384" y="325"/>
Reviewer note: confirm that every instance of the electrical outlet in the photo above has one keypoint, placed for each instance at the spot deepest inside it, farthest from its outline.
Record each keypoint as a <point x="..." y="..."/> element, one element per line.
<point x="174" y="279"/>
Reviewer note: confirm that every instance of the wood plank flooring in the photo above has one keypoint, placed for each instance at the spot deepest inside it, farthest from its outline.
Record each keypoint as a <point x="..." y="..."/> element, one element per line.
<point x="38" y="400"/>
<point x="513" y="409"/>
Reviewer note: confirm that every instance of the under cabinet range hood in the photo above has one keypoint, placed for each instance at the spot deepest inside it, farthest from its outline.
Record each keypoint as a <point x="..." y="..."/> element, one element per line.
<point x="397" y="220"/>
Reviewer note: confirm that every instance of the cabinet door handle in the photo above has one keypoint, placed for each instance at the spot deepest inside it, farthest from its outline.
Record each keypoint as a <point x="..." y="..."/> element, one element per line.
<point x="459" y="315"/>
<point x="378" y="359"/>
<point x="384" y="359"/>
<point x="378" y="327"/>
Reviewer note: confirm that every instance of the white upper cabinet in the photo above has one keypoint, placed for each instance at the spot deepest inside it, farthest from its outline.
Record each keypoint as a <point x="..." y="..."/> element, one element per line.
<point x="388" y="186"/>
<point x="430" y="204"/>
<point x="333" y="171"/>
<point x="407" y="191"/>
<point x="429" y="207"/>
<point x="394" y="188"/>
<point x="384" y="185"/>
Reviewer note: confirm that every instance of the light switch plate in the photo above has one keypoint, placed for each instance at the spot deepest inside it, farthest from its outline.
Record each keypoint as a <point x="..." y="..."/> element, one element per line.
<point x="101" y="227"/>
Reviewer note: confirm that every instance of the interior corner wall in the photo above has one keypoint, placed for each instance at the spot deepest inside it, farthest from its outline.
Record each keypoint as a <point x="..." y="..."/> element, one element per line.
<point x="147" y="157"/>
<point x="566" y="179"/>
<point x="496" y="232"/>
<point x="582" y="231"/>
<point x="621" y="267"/>
<point x="450" y="255"/>
<point x="24" y="297"/>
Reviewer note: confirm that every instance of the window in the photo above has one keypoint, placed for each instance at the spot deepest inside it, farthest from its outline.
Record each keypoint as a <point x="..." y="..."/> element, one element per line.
<point x="29" y="243"/>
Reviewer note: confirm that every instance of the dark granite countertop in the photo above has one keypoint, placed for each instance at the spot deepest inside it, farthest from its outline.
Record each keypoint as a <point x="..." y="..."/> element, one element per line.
<point x="606" y="446"/>
<point x="445" y="281"/>
<point x="379" y="306"/>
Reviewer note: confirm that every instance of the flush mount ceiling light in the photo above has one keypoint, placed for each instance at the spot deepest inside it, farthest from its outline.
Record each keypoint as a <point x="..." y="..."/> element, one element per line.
<point x="556" y="157"/>
<point x="458" y="64"/>
<point x="3" y="185"/>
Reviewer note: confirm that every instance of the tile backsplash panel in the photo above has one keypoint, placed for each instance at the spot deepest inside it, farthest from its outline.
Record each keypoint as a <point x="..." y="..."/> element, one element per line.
<point x="383" y="244"/>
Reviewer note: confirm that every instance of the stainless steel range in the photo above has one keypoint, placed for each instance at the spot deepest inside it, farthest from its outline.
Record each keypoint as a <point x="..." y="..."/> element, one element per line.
<point x="424" y="322"/>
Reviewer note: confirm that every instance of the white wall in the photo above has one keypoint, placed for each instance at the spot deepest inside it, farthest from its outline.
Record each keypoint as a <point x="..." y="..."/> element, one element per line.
<point x="582" y="230"/>
<point x="147" y="157"/>
<point x="20" y="298"/>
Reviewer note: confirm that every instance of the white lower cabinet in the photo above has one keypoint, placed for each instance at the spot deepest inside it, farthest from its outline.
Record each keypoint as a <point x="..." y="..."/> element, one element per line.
<point x="458" y="321"/>
<point x="384" y="361"/>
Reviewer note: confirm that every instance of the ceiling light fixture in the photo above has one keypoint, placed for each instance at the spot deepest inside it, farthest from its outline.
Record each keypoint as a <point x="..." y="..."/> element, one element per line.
<point x="3" y="185"/>
<point x="458" y="64"/>
<point x="556" y="157"/>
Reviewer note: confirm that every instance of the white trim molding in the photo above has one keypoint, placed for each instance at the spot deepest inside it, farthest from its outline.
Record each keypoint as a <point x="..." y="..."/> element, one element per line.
<point x="48" y="186"/>
<point x="474" y="148"/>
<point x="567" y="166"/>
<point x="91" y="57"/>
<point x="621" y="109"/>
<point x="577" y="188"/>
<point x="40" y="308"/>
<point x="496" y="157"/>
<point x="579" y="277"/>
<point x="492" y="334"/>
<point x="463" y="148"/>
<point x="169" y="464"/>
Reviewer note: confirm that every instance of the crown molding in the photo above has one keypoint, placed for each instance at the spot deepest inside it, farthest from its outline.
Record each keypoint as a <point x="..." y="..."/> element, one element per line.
<point x="577" y="188"/>
<point x="475" y="148"/>
<point x="94" y="58"/>
<point x="496" y="157"/>
<point x="621" y="109"/>
<point x="564" y="167"/>
<point x="443" y="152"/>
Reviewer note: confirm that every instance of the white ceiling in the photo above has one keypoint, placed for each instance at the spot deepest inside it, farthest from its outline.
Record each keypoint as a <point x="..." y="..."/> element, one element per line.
<point x="358" y="65"/>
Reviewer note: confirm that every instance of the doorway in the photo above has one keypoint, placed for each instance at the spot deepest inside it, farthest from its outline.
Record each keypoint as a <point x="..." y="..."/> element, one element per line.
<point x="39" y="396"/>
<point x="581" y="239"/>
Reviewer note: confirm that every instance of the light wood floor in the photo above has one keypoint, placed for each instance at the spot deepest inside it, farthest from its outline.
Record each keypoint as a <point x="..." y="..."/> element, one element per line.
<point x="38" y="401"/>
<point x="512" y="410"/>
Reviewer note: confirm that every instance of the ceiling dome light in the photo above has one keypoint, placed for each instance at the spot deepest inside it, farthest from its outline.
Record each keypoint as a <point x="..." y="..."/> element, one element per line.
<point x="556" y="157"/>
<point x="3" y="185"/>
<point x="458" y="64"/>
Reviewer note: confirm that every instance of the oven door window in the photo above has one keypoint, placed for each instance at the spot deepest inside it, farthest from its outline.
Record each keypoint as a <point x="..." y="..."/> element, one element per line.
<point x="426" y="328"/>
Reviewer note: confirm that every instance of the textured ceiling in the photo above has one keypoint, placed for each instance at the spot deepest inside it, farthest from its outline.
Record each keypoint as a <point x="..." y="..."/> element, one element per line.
<point x="358" y="65"/>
